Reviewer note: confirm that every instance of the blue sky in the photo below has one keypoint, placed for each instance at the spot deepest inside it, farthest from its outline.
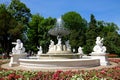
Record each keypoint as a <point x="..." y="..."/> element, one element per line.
<point x="106" y="10"/>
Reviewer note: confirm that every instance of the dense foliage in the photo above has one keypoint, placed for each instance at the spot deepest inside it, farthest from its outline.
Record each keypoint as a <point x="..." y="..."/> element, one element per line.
<point x="14" y="20"/>
<point x="77" y="26"/>
<point x="38" y="32"/>
<point x="17" y="22"/>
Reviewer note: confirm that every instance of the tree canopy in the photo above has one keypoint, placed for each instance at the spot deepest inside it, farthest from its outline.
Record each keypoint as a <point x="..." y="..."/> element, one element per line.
<point x="19" y="11"/>
<point x="10" y="29"/>
<point x="16" y="20"/>
<point x="39" y="27"/>
<point x="77" y="26"/>
<point x="11" y="26"/>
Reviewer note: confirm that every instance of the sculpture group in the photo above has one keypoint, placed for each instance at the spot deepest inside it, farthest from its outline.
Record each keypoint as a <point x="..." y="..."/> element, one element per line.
<point x="65" y="50"/>
<point x="99" y="48"/>
<point x="59" y="46"/>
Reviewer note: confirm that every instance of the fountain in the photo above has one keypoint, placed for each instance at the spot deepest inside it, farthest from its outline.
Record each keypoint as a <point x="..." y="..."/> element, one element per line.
<point x="59" y="51"/>
<point x="60" y="55"/>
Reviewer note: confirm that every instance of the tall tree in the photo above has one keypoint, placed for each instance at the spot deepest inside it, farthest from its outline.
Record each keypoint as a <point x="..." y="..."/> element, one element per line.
<point x="44" y="37"/>
<point x="112" y="38"/>
<point x="19" y="11"/>
<point x="91" y="34"/>
<point x="77" y="27"/>
<point x="9" y="28"/>
<point x="39" y="28"/>
<point x="33" y="31"/>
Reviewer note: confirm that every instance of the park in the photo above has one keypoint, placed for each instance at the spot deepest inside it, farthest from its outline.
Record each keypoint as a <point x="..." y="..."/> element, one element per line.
<point x="66" y="48"/>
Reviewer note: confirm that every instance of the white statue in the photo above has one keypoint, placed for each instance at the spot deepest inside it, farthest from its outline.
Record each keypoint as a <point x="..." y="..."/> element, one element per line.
<point x="59" y="40"/>
<point x="59" y="44"/>
<point x="51" y="46"/>
<point x="68" y="45"/>
<point x="18" y="48"/>
<point x="40" y="50"/>
<point x="99" y="48"/>
<point x="80" y="51"/>
<point x="73" y="50"/>
<point x="99" y="41"/>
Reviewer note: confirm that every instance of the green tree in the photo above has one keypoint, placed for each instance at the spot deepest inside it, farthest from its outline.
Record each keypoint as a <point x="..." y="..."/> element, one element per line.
<point x="19" y="11"/>
<point x="44" y="37"/>
<point x="91" y="34"/>
<point x="38" y="32"/>
<point x="33" y="32"/>
<point x="112" y="38"/>
<point x="77" y="26"/>
<point x="10" y="29"/>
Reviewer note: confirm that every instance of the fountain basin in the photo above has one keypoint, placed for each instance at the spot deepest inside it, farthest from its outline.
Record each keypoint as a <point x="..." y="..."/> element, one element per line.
<point x="46" y="63"/>
<point x="58" y="56"/>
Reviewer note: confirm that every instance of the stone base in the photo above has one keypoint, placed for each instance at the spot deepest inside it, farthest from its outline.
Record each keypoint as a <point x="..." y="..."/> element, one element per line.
<point x="58" y="56"/>
<point x="102" y="57"/>
<point x="13" y="64"/>
<point x="97" y="54"/>
<point x="68" y="63"/>
<point x="14" y="59"/>
<point x="80" y="54"/>
<point x="59" y="52"/>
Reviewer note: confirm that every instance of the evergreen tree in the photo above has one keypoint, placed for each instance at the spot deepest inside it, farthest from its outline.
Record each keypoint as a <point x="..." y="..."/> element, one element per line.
<point x="33" y="32"/>
<point x="91" y="34"/>
<point x="22" y="14"/>
<point x="77" y="27"/>
<point x="38" y="32"/>
<point x="10" y="29"/>
<point x="19" y="11"/>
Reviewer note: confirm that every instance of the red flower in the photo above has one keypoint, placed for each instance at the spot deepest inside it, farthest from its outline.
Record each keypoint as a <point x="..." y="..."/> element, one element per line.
<point x="103" y="72"/>
<point x="17" y="76"/>
<point x="59" y="71"/>
<point x="12" y="75"/>
<point x="56" y="75"/>
<point x="1" y="78"/>
<point x="39" y="73"/>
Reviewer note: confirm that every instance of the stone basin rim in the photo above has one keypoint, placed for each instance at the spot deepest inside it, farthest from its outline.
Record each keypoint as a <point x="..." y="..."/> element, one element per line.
<point x="56" y="60"/>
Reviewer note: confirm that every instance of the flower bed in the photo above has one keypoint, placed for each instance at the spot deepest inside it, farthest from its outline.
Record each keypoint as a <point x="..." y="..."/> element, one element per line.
<point x="96" y="74"/>
<point x="112" y="55"/>
<point x="116" y="60"/>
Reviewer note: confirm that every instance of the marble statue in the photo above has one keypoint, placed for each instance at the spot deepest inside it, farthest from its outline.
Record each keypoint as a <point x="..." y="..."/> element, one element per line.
<point x="59" y="44"/>
<point x="80" y="51"/>
<point x="73" y="50"/>
<point x="18" y="48"/>
<point x="68" y="45"/>
<point x="51" y="46"/>
<point x="99" y="52"/>
<point x="99" y="48"/>
<point x="40" y="50"/>
<point x="59" y="40"/>
<point x="17" y="53"/>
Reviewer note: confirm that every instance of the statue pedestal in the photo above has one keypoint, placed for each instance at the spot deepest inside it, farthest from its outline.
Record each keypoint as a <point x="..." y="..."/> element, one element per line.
<point x="14" y="60"/>
<point x="102" y="57"/>
<point x="39" y="52"/>
<point x="59" y="48"/>
<point x="81" y="55"/>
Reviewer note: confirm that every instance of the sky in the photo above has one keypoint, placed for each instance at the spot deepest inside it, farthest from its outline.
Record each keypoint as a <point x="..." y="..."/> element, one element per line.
<point x="103" y="10"/>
